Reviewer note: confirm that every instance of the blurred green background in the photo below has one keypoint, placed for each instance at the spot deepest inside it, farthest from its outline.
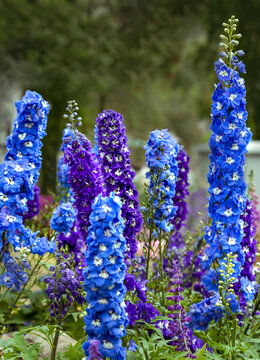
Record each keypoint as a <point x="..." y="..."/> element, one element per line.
<point x="151" y="60"/>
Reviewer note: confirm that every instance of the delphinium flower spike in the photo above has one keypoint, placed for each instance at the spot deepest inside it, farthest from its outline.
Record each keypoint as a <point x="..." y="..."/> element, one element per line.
<point x="18" y="176"/>
<point x="175" y="329"/>
<point x="104" y="278"/>
<point x="118" y="174"/>
<point x="84" y="174"/>
<point x="228" y="143"/>
<point x="70" y="239"/>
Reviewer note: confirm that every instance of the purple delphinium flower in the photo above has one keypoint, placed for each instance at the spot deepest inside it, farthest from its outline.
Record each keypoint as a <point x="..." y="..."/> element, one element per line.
<point x="33" y="205"/>
<point x="104" y="278"/>
<point x="142" y="310"/>
<point x="70" y="241"/>
<point x="73" y="244"/>
<point x="114" y="157"/>
<point x="85" y="179"/>
<point x="63" y="288"/>
<point x="176" y="329"/>
<point x="94" y="353"/>
<point x="179" y="199"/>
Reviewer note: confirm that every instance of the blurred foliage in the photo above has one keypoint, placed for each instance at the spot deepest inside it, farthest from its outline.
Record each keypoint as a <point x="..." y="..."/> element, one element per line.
<point x="150" y="60"/>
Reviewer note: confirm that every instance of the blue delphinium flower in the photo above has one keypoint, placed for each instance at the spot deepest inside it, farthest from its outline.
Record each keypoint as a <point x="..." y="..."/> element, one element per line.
<point x="202" y="313"/>
<point x="19" y="174"/>
<point x="228" y="143"/>
<point x="249" y="288"/>
<point x="161" y="152"/>
<point x="104" y="276"/>
<point x="63" y="217"/>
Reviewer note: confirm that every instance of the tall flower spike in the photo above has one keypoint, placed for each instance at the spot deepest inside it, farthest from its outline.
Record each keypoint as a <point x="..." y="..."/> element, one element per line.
<point x="117" y="171"/>
<point x="114" y="156"/>
<point x="161" y="158"/>
<point x="85" y="179"/>
<point x="179" y="199"/>
<point x="70" y="240"/>
<point x="19" y="173"/>
<point x="227" y="201"/>
<point x="104" y="276"/>
<point x="228" y="143"/>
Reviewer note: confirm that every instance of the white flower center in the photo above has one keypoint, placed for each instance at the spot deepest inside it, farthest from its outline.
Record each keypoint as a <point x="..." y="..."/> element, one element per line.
<point x="104" y="274"/>
<point x="216" y="191"/>
<point x="230" y="160"/>
<point x="97" y="261"/>
<point x="228" y="212"/>
<point x="231" y="241"/>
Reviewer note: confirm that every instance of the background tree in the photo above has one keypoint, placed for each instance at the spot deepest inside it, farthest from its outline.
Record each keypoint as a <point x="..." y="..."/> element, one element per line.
<point x="146" y="59"/>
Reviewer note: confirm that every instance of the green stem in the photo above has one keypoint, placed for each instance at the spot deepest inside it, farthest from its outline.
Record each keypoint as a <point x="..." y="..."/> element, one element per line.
<point x="163" y="297"/>
<point x="57" y="332"/>
<point x="234" y="335"/>
<point x="140" y="336"/>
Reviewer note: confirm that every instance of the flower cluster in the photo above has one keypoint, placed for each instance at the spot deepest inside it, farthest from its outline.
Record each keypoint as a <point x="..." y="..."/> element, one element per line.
<point x="228" y="143"/>
<point x="63" y="288"/>
<point x="85" y="179"/>
<point x="33" y="205"/>
<point x="142" y="310"/>
<point x="175" y="329"/>
<point x="201" y="314"/>
<point x="63" y="217"/>
<point x="161" y="153"/>
<point x="104" y="276"/>
<point x="114" y="157"/>
<point x="20" y="170"/>
<point x="179" y="199"/>
<point x="15" y="273"/>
